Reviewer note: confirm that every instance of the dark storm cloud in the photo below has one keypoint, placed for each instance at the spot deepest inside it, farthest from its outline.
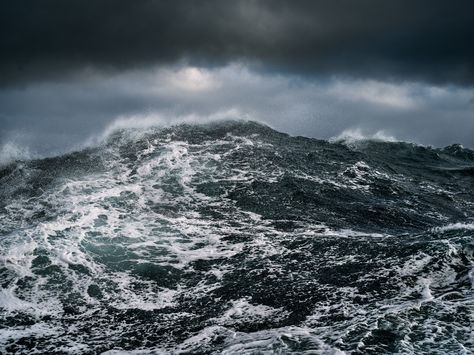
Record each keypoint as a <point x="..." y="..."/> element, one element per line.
<point x="406" y="40"/>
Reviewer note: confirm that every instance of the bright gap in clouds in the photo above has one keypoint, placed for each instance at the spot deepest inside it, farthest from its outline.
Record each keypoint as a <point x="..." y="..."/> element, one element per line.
<point x="53" y="117"/>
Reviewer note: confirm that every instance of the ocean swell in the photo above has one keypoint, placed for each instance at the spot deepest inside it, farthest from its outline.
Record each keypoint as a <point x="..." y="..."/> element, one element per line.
<point x="231" y="237"/>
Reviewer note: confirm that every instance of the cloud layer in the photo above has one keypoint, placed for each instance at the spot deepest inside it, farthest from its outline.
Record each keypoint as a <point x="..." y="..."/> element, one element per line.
<point x="423" y="40"/>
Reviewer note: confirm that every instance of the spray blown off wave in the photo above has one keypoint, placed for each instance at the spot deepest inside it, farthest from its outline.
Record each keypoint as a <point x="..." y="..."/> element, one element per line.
<point x="234" y="238"/>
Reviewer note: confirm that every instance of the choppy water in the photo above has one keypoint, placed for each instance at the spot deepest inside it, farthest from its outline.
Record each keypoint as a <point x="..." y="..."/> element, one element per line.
<point x="234" y="238"/>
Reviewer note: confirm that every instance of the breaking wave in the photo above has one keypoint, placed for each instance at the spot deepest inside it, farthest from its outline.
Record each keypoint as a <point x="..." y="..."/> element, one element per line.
<point x="234" y="238"/>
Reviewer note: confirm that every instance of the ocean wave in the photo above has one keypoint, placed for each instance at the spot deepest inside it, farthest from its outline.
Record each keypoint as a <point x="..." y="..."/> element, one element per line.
<point x="231" y="237"/>
<point x="355" y="135"/>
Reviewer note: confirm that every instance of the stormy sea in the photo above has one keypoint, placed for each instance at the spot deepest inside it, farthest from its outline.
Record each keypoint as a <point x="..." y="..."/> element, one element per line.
<point x="233" y="238"/>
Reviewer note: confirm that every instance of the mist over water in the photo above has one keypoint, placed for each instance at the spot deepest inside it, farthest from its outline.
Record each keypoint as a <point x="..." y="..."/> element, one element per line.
<point x="231" y="237"/>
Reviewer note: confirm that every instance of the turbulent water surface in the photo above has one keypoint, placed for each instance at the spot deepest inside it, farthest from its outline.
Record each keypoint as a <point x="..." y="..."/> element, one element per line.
<point x="234" y="238"/>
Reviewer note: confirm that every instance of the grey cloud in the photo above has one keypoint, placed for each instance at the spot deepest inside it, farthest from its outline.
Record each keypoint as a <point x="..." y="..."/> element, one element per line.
<point x="420" y="40"/>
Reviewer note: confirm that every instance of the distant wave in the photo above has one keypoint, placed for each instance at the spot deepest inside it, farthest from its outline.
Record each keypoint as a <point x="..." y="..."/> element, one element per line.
<point x="356" y="135"/>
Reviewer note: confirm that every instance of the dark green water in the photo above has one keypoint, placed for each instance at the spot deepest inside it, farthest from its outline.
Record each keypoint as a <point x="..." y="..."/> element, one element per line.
<point x="234" y="238"/>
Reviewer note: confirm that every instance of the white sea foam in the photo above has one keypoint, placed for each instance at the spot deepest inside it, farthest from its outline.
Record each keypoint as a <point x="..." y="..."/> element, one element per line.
<point x="10" y="302"/>
<point x="277" y="340"/>
<point x="140" y="123"/>
<point x="242" y="311"/>
<point x="357" y="134"/>
<point x="11" y="151"/>
<point x="38" y="329"/>
<point x="454" y="226"/>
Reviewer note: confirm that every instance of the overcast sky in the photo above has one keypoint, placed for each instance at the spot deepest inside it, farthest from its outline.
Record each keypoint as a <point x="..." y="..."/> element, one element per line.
<point x="70" y="70"/>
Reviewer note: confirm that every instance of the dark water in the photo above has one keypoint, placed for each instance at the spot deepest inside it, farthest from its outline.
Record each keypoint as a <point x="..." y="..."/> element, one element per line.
<point x="234" y="238"/>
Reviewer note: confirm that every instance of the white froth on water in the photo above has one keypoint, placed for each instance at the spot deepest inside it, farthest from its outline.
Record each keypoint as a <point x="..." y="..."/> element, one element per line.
<point x="242" y="311"/>
<point x="454" y="226"/>
<point x="141" y="123"/>
<point x="38" y="329"/>
<point x="10" y="302"/>
<point x="279" y="340"/>
<point x="357" y="134"/>
<point x="11" y="151"/>
<point x="18" y="256"/>
<point x="426" y="295"/>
